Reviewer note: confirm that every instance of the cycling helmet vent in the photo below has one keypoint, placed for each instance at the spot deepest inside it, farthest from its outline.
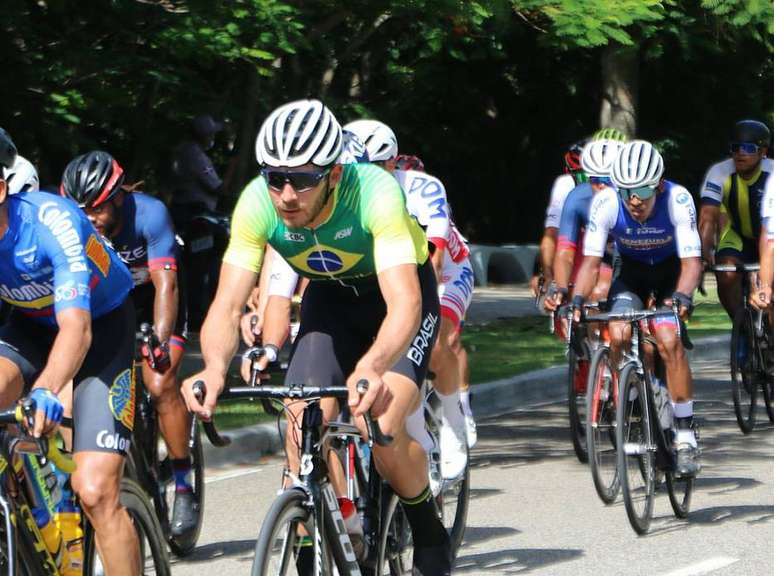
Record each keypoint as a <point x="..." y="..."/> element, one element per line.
<point x="92" y="179"/>
<point x="598" y="157"/>
<point x="378" y="138"/>
<point x="637" y="164"/>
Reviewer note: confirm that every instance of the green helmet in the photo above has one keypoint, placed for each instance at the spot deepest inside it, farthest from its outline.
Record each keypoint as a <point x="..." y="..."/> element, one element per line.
<point x="609" y="134"/>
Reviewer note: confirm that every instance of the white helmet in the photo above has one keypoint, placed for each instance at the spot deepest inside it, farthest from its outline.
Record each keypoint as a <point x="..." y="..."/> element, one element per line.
<point x="598" y="156"/>
<point x="379" y="139"/>
<point x="22" y="176"/>
<point x="298" y="133"/>
<point x="637" y="164"/>
<point x="353" y="151"/>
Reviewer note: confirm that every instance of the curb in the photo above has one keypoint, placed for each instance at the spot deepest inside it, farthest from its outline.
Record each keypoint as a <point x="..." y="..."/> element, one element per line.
<point x="490" y="399"/>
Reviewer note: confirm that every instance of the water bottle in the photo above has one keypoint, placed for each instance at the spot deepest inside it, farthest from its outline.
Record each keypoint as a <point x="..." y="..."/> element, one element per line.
<point x="67" y="515"/>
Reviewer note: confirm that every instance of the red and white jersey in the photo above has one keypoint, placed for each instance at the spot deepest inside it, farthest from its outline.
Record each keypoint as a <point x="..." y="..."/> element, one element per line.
<point x="426" y="201"/>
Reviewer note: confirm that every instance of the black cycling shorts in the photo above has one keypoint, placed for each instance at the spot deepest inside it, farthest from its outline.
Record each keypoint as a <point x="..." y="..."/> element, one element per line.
<point x="104" y="391"/>
<point x="339" y="324"/>
<point x="143" y="296"/>
<point x="635" y="281"/>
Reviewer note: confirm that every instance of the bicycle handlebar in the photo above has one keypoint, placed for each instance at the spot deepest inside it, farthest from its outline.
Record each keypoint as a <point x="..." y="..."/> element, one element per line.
<point x="200" y="390"/>
<point x="736" y="267"/>
<point x="25" y="411"/>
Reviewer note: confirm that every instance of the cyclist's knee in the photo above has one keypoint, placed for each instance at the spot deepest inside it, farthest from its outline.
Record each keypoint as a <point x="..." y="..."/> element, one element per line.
<point x="669" y="345"/>
<point x="98" y="490"/>
<point x="11" y="383"/>
<point x="163" y="388"/>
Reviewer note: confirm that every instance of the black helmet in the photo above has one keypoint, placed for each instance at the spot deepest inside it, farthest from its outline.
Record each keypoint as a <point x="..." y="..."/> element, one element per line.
<point x="752" y="131"/>
<point x="92" y="179"/>
<point x="7" y="150"/>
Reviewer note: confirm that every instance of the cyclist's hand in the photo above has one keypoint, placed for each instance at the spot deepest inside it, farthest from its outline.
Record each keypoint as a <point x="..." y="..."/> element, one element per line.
<point x="760" y="298"/>
<point x="709" y="257"/>
<point x="206" y="407"/>
<point x="251" y="325"/>
<point x="158" y="358"/>
<point x="684" y="303"/>
<point x="554" y="298"/>
<point x="48" y="411"/>
<point x="378" y="397"/>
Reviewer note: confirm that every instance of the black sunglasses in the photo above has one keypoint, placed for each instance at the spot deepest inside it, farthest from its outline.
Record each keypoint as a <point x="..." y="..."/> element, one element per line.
<point x="300" y="181"/>
<point x="744" y="147"/>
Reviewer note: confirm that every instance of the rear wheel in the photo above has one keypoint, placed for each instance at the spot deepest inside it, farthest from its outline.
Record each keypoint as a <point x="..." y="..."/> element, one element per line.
<point x="153" y="550"/>
<point x="184" y="545"/>
<point x="576" y="395"/>
<point x="744" y="370"/>
<point x="601" y="397"/>
<point x="453" y="502"/>
<point x="680" y="491"/>
<point x="636" y="450"/>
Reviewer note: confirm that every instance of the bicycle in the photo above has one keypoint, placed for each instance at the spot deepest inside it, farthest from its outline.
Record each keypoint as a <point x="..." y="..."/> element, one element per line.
<point x="749" y="351"/>
<point x="643" y="436"/>
<point x="310" y="505"/>
<point x="23" y="550"/>
<point x="153" y="470"/>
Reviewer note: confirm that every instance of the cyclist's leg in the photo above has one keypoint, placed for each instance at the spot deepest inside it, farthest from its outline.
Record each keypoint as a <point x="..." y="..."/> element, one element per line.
<point x="730" y="251"/>
<point x="24" y="347"/>
<point x="103" y="412"/>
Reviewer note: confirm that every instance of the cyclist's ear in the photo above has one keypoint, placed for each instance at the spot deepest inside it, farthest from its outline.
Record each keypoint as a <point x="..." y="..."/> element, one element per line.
<point x="3" y="190"/>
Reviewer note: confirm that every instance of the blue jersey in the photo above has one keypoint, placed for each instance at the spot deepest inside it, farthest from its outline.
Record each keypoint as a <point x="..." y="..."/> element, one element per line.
<point x="146" y="241"/>
<point x="51" y="259"/>
<point x="575" y="215"/>
<point x="669" y="231"/>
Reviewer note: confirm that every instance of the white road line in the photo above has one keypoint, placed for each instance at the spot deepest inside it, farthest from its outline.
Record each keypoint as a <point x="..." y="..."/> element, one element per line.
<point x="704" y="567"/>
<point x="234" y="474"/>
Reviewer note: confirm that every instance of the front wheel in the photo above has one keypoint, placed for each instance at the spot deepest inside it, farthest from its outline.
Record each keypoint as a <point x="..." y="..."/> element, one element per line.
<point x="396" y="549"/>
<point x="153" y="551"/>
<point x="636" y="449"/>
<point x="601" y="398"/>
<point x="744" y="370"/>
<point x="680" y="491"/>
<point x="576" y="400"/>
<point x="453" y="503"/>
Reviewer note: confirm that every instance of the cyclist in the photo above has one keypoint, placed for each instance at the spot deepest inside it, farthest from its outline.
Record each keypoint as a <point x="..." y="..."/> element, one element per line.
<point x="426" y="201"/>
<point x="140" y="229"/>
<point x="71" y="320"/>
<point x="761" y="298"/>
<point x="596" y="160"/>
<point x="371" y="309"/>
<point x="22" y="176"/>
<point x="731" y="199"/>
<point x="653" y="222"/>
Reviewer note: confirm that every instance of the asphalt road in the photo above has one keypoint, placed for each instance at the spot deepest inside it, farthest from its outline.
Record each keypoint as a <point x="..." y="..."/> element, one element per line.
<point x="534" y="509"/>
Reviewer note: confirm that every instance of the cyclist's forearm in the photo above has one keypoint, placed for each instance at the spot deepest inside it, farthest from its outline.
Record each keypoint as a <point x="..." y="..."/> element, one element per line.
<point x="165" y="306"/>
<point x="220" y="337"/>
<point x="548" y="251"/>
<point x="563" y="263"/>
<point x="437" y="260"/>
<point x="276" y="321"/>
<point x="70" y="347"/>
<point x="690" y="275"/>
<point x="708" y="227"/>
<point x="767" y="263"/>
<point x="587" y="276"/>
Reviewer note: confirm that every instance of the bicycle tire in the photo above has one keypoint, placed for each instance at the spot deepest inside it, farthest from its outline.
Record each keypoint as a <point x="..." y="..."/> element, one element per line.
<point x="289" y="507"/>
<point x="143" y="516"/>
<point x="744" y="386"/>
<point x="184" y="546"/>
<point x="395" y="556"/>
<point x="636" y="457"/>
<point x="458" y="491"/>
<point x="601" y="394"/>
<point x="576" y="402"/>
<point x="680" y="491"/>
<point x="766" y="379"/>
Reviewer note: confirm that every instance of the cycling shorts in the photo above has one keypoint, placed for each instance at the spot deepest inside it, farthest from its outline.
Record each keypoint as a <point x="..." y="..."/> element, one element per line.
<point x="339" y="323"/>
<point x="736" y="246"/>
<point x="143" y="296"/>
<point x="456" y="289"/>
<point x="636" y="281"/>
<point x="104" y="392"/>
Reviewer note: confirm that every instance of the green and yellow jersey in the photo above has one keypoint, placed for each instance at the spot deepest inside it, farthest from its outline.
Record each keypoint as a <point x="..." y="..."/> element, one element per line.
<point x="368" y="230"/>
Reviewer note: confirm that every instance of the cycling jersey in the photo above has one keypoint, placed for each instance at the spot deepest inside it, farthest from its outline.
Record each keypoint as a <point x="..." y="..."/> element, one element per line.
<point x="575" y="215"/>
<point x="282" y="278"/>
<point x="739" y="198"/>
<point x="563" y="185"/>
<point x="669" y="230"/>
<point x="51" y="259"/>
<point x="146" y="241"/>
<point x="368" y="230"/>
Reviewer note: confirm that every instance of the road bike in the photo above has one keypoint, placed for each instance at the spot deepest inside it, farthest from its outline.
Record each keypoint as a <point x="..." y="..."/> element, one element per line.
<point x="750" y="350"/>
<point x="151" y="468"/>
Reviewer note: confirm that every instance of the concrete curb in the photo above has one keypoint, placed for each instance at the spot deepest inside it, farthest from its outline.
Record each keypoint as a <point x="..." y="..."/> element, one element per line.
<point x="490" y="399"/>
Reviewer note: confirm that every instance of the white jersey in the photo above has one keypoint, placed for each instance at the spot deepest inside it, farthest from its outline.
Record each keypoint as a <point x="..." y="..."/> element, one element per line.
<point x="562" y="187"/>
<point x="767" y="211"/>
<point x="714" y="180"/>
<point x="426" y="201"/>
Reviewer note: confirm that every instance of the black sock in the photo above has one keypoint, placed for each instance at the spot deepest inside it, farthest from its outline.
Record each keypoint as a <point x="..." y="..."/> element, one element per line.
<point x="684" y="423"/>
<point x="422" y="515"/>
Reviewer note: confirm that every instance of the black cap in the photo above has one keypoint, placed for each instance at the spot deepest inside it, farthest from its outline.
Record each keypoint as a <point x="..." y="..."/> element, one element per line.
<point x="205" y="125"/>
<point x="752" y="131"/>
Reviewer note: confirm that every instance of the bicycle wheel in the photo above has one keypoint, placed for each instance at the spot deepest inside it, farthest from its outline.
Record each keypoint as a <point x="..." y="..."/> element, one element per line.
<point x="278" y="550"/>
<point x="601" y="396"/>
<point x="453" y="503"/>
<point x="744" y="370"/>
<point x="767" y="379"/>
<point x="576" y="399"/>
<point x="396" y="549"/>
<point x="182" y="546"/>
<point x="636" y="462"/>
<point x="153" y="550"/>
<point x="680" y="491"/>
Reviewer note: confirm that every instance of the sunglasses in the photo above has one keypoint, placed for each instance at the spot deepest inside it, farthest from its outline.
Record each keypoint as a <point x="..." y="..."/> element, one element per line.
<point x="744" y="147"/>
<point x="299" y="181"/>
<point x="600" y="180"/>
<point x="643" y="192"/>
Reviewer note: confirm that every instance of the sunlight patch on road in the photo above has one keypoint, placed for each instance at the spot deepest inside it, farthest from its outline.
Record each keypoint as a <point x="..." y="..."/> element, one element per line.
<point x="703" y="567"/>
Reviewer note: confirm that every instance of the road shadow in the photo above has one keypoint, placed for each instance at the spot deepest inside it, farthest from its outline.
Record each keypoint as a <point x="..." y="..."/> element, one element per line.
<point x="218" y="550"/>
<point x="481" y="534"/>
<point x="513" y="560"/>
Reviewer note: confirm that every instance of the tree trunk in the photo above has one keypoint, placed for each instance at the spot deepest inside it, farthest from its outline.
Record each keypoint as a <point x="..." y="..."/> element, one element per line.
<point x="246" y="167"/>
<point x="620" y="86"/>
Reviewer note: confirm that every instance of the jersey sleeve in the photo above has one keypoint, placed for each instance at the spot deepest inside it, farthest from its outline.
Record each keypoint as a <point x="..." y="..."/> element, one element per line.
<point x="682" y="212"/>
<point x="712" y="187"/>
<point x="385" y="216"/>
<point x="429" y="205"/>
<point x="767" y="209"/>
<point x="250" y="227"/>
<point x="571" y="221"/>
<point x="559" y="191"/>
<point x="603" y="215"/>
<point x="282" y="278"/>
<point x="159" y="234"/>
